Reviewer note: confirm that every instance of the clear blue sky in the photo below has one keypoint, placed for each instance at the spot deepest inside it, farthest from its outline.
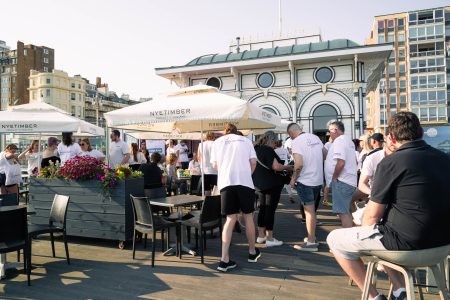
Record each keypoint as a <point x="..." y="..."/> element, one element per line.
<point x="123" y="41"/>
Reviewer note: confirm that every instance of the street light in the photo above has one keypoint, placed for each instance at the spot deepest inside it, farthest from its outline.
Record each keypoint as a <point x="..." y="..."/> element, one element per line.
<point x="383" y="95"/>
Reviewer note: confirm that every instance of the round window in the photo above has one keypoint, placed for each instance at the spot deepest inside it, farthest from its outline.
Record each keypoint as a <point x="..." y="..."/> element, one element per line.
<point x="214" y="82"/>
<point x="324" y="75"/>
<point x="265" y="80"/>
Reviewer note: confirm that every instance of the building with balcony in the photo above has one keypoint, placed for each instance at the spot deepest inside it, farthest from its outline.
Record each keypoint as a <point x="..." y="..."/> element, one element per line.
<point x="100" y="100"/>
<point x="15" y="67"/>
<point x="57" y="88"/>
<point x="301" y="79"/>
<point x="416" y="77"/>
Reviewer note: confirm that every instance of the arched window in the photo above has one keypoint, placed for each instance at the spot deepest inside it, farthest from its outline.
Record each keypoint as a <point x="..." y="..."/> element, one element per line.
<point x="269" y="109"/>
<point x="322" y="115"/>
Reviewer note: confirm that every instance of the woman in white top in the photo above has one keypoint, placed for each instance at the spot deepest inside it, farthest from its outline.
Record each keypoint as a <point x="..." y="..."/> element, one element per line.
<point x="34" y="157"/>
<point x="170" y="147"/>
<point x="87" y="149"/>
<point x="194" y="166"/>
<point x="68" y="149"/>
<point x="136" y="157"/>
<point x="181" y="151"/>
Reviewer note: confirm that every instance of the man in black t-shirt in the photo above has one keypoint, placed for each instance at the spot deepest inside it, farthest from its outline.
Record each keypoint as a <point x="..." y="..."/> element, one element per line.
<point x="409" y="206"/>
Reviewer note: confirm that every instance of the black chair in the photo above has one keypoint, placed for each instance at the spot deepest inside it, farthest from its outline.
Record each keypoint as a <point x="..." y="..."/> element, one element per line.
<point x="209" y="218"/>
<point x="57" y="223"/>
<point x="146" y="222"/>
<point x="14" y="234"/>
<point x="9" y="199"/>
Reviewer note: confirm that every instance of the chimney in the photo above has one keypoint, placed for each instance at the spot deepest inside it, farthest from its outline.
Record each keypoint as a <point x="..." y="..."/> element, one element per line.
<point x="238" y="39"/>
<point x="98" y="81"/>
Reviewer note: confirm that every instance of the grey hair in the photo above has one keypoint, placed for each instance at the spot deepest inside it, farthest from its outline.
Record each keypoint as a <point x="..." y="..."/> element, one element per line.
<point x="338" y="124"/>
<point x="267" y="138"/>
<point x="295" y="127"/>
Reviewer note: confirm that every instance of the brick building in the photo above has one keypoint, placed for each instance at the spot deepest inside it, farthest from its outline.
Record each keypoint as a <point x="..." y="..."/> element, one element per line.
<point x="15" y="67"/>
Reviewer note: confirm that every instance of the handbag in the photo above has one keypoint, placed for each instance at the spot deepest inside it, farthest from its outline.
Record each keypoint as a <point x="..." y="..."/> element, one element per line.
<point x="13" y="174"/>
<point x="285" y="176"/>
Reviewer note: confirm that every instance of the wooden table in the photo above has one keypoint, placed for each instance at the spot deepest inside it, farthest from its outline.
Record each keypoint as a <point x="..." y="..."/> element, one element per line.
<point x="178" y="201"/>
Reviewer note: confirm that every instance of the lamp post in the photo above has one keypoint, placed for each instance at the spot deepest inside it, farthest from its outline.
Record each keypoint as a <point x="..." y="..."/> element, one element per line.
<point x="383" y="94"/>
<point x="97" y="104"/>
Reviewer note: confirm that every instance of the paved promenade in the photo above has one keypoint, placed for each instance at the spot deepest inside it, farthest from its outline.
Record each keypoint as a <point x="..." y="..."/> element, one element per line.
<point x="99" y="270"/>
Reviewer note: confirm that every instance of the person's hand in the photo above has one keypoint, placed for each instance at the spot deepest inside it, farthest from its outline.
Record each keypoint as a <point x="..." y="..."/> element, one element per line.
<point x="292" y="183"/>
<point x="289" y="168"/>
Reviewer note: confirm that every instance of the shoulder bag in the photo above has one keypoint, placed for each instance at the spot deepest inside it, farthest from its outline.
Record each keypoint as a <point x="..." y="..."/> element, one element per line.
<point x="284" y="175"/>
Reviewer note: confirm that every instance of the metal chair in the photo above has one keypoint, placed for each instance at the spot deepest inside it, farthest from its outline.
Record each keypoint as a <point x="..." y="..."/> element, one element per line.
<point x="14" y="235"/>
<point x="209" y="218"/>
<point x="56" y="223"/>
<point x="406" y="262"/>
<point x="146" y="222"/>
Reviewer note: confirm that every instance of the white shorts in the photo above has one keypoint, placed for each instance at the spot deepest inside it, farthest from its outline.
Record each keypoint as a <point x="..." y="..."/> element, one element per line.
<point x="350" y="243"/>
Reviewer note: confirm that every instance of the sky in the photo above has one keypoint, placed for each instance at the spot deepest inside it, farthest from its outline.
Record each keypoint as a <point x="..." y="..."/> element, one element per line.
<point x="124" y="41"/>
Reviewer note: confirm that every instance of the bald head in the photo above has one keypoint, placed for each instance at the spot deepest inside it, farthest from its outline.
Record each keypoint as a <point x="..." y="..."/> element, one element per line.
<point x="294" y="130"/>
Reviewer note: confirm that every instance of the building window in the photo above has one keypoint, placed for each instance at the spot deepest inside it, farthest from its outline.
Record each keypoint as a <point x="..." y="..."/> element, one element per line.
<point x="25" y="52"/>
<point x="47" y="93"/>
<point x="45" y="51"/>
<point x="391" y="38"/>
<point x="392" y="101"/>
<point x="72" y="85"/>
<point x="45" y="69"/>
<point x="45" y="60"/>
<point x="72" y="96"/>
<point x="265" y="80"/>
<point x="324" y="75"/>
<point x="380" y="24"/>
<point x="47" y="80"/>
<point x="79" y="86"/>
<point x="381" y="38"/>
<point x="214" y="82"/>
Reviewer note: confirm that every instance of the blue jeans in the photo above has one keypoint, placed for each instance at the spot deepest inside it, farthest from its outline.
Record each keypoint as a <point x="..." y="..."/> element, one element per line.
<point x="342" y="196"/>
<point x="308" y="194"/>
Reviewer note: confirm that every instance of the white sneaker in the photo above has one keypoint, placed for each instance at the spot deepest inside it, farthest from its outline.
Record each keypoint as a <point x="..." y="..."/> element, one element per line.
<point x="260" y="240"/>
<point x="273" y="243"/>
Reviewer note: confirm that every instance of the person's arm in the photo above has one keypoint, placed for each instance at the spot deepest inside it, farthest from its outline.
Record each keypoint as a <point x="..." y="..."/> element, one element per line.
<point x="298" y="165"/>
<point x="363" y="184"/>
<point x="252" y="164"/>
<point x="126" y="158"/>
<point x="373" y="213"/>
<point x="324" y="153"/>
<point x="338" y="169"/>
<point x="24" y="153"/>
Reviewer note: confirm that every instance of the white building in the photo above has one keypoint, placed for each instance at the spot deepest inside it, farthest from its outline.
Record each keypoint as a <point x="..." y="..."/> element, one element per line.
<point x="309" y="83"/>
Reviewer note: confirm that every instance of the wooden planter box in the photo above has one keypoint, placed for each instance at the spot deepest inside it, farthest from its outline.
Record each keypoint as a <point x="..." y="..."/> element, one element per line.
<point x="90" y="213"/>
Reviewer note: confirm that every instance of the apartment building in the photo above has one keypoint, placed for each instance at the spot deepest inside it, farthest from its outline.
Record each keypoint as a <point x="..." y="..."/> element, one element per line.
<point x="15" y="67"/>
<point x="57" y="88"/>
<point x="416" y="77"/>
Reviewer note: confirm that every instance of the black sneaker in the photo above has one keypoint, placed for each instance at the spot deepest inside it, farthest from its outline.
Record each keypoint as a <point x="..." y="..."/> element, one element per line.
<point x="254" y="257"/>
<point x="223" y="266"/>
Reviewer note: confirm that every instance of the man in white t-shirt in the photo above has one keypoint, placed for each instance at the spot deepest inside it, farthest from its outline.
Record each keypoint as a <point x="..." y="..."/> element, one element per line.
<point x="370" y="167"/>
<point x="341" y="172"/>
<point x="307" y="150"/>
<point x="204" y="159"/>
<point x="181" y="150"/>
<point x="234" y="157"/>
<point x="119" y="151"/>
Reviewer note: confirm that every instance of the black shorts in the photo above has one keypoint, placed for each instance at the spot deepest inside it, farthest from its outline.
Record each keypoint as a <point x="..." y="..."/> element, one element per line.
<point x="2" y="179"/>
<point x="210" y="181"/>
<point x="237" y="198"/>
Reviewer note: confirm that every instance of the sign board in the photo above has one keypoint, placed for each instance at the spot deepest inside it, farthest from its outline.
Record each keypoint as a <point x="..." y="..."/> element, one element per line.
<point x="155" y="146"/>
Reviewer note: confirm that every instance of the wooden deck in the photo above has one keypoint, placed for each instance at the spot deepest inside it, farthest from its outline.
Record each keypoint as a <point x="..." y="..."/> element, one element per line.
<point x="99" y="270"/>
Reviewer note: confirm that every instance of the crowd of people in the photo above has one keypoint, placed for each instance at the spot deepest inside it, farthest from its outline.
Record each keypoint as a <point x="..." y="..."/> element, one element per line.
<point x="406" y="200"/>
